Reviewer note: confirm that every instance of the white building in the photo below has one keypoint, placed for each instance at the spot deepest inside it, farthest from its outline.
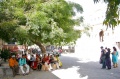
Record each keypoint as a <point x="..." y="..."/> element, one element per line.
<point x="95" y="19"/>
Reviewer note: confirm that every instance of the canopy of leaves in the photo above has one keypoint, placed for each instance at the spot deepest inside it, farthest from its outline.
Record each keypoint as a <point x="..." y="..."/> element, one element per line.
<point x="52" y="22"/>
<point x="44" y="21"/>
<point x="112" y="13"/>
<point x="22" y="36"/>
<point x="11" y="17"/>
<point x="7" y="30"/>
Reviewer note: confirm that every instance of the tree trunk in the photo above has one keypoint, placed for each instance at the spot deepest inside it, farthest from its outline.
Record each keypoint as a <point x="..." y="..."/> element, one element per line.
<point x="26" y="46"/>
<point x="43" y="50"/>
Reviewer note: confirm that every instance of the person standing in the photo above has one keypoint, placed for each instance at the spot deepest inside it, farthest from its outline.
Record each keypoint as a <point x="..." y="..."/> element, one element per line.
<point x="108" y="59"/>
<point x="115" y="57"/>
<point x="14" y="65"/>
<point x="23" y="63"/>
<point x="102" y="57"/>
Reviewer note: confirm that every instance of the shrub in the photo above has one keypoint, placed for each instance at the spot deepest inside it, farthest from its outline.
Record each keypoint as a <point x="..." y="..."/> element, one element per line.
<point x="5" y="54"/>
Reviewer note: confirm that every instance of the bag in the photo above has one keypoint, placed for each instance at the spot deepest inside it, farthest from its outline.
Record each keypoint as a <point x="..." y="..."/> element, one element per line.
<point x="100" y="61"/>
<point x="103" y="58"/>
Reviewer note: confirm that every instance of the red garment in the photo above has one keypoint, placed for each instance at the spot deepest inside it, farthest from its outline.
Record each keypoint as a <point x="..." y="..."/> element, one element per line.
<point x="48" y="57"/>
<point x="34" y="65"/>
<point x="45" y="59"/>
<point x="37" y="56"/>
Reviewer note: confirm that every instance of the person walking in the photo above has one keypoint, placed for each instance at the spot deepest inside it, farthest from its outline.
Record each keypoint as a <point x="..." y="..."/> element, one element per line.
<point x="14" y="65"/>
<point x="23" y="63"/>
<point x="108" y="59"/>
<point x="115" y="57"/>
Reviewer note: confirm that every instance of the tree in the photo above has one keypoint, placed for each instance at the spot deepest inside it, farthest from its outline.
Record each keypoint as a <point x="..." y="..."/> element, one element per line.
<point x="112" y="13"/>
<point x="5" y="54"/>
<point x="10" y="20"/>
<point x="42" y="21"/>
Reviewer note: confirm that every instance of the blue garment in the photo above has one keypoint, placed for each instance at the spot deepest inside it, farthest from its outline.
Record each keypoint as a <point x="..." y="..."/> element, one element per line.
<point x="22" y="61"/>
<point x="115" y="57"/>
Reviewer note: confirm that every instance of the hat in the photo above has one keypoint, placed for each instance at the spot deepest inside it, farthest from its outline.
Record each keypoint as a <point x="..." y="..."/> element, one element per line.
<point x="13" y="55"/>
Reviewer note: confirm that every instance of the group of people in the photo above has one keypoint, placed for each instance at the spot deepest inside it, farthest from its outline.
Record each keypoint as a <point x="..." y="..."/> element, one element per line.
<point x="34" y="61"/>
<point x="16" y="64"/>
<point x="105" y="58"/>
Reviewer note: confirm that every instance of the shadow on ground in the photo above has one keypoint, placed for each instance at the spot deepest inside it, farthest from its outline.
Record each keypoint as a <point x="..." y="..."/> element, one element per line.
<point x="85" y="70"/>
<point x="90" y="69"/>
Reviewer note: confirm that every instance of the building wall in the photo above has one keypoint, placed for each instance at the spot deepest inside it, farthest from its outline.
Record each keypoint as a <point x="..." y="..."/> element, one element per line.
<point x="95" y="19"/>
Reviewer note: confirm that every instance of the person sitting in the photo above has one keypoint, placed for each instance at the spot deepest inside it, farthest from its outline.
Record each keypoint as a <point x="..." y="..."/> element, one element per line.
<point x="33" y="62"/>
<point x="45" y="61"/>
<point x="51" y="62"/>
<point x="14" y="65"/>
<point x="56" y="61"/>
<point x="59" y="61"/>
<point x="22" y="63"/>
<point x="39" y="63"/>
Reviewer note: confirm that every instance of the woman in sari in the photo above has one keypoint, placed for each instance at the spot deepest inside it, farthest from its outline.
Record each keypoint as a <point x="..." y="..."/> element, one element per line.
<point x="33" y="62"/>
<point x="45" y="62"/>
<point x="115" y="57"/>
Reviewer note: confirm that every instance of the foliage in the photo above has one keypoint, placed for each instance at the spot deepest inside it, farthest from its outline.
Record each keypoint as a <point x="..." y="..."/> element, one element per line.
<point x="52" y="23"/>
<point x="13" y="53"/>
<point x="40" y="21"/>
<point x="112" y="13"/>
<point x="22" y="36"/>
<point x="5" y="54"/>
<point x="7" y="30"/>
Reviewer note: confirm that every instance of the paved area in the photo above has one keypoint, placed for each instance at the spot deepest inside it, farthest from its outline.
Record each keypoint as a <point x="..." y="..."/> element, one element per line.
<point x="73" y="68"/>
<point x="88" y="69"/>
<point x="84" y="64"/>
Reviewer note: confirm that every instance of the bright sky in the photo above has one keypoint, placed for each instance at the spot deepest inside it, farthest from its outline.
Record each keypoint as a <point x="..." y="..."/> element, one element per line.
<point x="88" y="6"/>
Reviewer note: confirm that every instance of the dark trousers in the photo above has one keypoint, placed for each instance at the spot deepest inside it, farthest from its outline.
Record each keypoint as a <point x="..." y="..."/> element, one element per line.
<point x="104" y="64"/>
<point x="108" y="63"/>
<point x="15" y="70"/>
<point x="39" y="66"/>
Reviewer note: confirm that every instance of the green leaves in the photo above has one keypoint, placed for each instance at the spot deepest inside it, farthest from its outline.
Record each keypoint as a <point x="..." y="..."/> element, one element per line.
<point x="112" y="13"/>
<point x="5" y="54"/>
<point x="51" y="21"/>
<point x="43" y="21"/>
<point x="7" y="30"/>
